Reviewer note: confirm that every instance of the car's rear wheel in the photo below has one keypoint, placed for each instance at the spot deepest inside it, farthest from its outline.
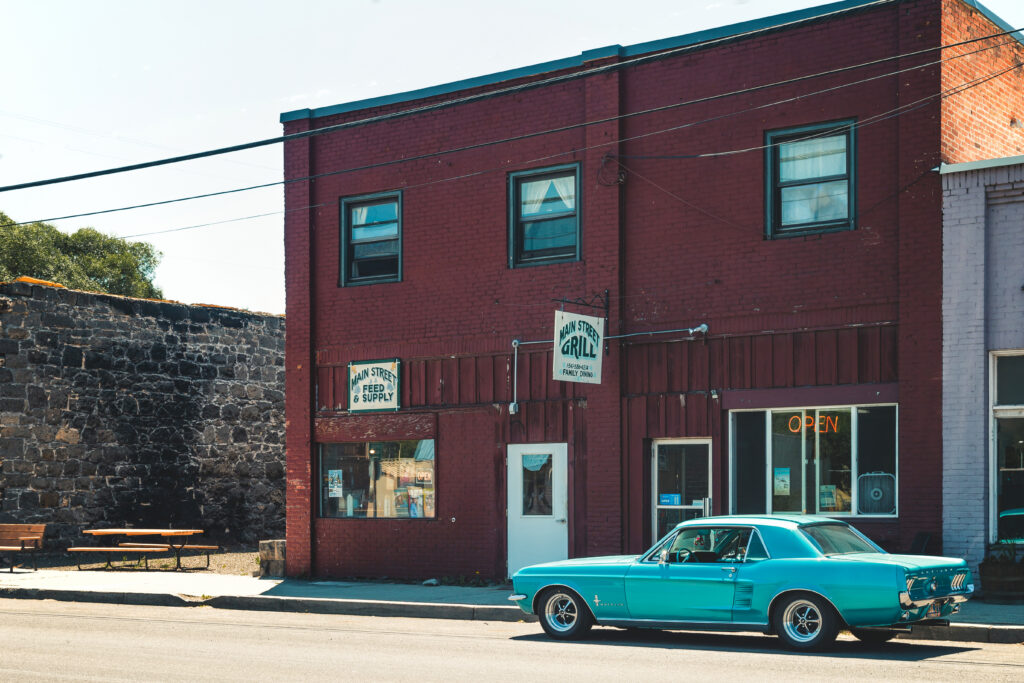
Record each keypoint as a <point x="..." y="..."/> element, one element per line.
<point x="805" y="622"/>
<point x="873" y="636"/>
<point x="563" y="614"/>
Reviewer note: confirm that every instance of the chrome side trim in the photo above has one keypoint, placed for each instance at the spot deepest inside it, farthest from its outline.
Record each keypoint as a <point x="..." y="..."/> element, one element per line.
<point x="516" y="597"/>
<point x="687" y="625"/>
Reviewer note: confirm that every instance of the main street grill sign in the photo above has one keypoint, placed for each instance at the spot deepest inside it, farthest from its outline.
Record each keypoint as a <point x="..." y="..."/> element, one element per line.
<point x="579" y="343"/>
<point x="373" y="385"/>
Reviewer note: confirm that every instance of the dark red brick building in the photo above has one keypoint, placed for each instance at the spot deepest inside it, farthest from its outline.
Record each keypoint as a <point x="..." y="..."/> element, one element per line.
<point x="772" y="180"/>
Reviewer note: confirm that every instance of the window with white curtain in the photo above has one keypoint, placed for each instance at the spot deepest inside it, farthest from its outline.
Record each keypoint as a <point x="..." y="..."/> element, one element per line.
<point x="810" y="179"/>
<point x="371" y="241"/>
<point x="544" y="220"/>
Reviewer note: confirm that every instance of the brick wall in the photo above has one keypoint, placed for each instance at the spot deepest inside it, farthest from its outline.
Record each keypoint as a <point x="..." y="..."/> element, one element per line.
<point x="675" y="241"/>
<point x="119" y="411"/>
<point x="983" y="246"/>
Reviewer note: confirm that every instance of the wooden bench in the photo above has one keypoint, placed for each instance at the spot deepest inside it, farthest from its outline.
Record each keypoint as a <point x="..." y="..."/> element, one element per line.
<point x="167" y="546"/>
<point x="143" y="553"/>
<point x="21" y="538"/>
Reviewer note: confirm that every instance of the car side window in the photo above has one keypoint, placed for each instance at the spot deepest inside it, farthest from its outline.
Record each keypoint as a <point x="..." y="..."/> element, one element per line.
<point x="731" y="545"/>
<point x="756" y="549"/>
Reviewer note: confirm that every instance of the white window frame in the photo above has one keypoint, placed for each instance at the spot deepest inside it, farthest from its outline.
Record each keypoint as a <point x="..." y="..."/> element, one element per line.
<point x="996" y="412"/>
<point x="854" y="459"/>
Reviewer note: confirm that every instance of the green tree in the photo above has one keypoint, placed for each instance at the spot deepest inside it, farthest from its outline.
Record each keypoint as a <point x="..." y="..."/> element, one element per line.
<point x="86" y="259"/>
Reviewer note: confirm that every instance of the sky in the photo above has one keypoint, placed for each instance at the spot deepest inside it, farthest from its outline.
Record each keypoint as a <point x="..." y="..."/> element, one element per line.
<point x="106" y="83"/>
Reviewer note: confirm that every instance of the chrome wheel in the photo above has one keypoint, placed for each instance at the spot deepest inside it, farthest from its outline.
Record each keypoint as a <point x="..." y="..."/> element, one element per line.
<point x="802" y="621"/>
<point x="561" y="612"/>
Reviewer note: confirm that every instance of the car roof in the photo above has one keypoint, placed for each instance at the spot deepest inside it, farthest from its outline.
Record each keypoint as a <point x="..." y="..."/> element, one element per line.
<point x="783" y="521"/>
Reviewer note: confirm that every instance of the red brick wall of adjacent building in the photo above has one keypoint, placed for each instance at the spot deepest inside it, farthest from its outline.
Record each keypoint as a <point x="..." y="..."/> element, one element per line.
<point x="987" y="120"/>
<point x="678" y="242"/>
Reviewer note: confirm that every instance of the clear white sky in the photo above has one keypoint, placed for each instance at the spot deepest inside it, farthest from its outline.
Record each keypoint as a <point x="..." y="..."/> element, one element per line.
<point x="103" y="83"/>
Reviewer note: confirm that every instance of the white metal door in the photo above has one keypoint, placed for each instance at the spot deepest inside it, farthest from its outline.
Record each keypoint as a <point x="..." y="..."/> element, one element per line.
<point x="538" y="521"/>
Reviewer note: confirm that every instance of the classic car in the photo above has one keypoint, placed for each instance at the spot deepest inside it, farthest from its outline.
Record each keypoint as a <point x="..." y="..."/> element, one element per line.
<point x="802" y="578"/>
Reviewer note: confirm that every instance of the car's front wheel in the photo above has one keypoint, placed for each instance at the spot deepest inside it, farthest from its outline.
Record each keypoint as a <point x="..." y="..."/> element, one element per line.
<point x="805" y="622"/>
<point x="873" y="636"/>
<point x="563" y="614"/>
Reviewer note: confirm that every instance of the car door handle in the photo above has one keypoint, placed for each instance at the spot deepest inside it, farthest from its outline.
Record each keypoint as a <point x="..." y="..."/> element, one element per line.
<point x="728" y="569"/>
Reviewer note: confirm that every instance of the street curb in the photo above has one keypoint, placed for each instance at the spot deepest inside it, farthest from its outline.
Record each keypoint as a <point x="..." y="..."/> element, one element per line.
<point x="146" y="599"/>
<point x="968" y="633"/>
<point x="965" y="633"/>
<point x="371" y="608"/>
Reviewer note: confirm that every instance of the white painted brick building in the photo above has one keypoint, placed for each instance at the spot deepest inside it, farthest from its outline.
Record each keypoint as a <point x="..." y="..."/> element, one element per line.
<point x="982" y="354"/>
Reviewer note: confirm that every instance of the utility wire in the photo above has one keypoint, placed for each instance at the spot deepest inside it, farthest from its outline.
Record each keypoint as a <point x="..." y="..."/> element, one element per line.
<point x="578" y="125"/>
<point x="448" y="103"/>
<point x="899" y="111"/>
<point x="877" y="118"/>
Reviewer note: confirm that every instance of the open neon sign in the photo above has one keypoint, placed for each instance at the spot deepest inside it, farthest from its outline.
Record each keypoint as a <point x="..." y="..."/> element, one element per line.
<point x="824" y="423"/>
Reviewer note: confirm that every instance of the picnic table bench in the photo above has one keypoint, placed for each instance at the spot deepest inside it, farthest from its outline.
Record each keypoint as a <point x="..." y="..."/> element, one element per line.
<point x="18" y="539"/>
<point x="176" y="540"/>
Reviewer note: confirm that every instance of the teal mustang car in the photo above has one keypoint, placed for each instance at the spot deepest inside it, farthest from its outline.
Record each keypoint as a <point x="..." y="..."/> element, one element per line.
<point x="801" y="577"/>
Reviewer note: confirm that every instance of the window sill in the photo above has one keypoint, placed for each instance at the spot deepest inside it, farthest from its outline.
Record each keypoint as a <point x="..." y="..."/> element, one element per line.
<point x="544" y="262"/>
<point x="362" y="283"/>
<point x="809" y="230"/>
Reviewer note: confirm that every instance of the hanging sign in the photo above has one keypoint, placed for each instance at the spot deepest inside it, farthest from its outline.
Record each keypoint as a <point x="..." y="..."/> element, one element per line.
<point x="579" y="343"/>
<point x="373" y="385"/>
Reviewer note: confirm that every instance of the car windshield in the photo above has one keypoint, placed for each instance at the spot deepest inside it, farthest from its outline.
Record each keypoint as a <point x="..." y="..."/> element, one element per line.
<point x="837" y="539"/>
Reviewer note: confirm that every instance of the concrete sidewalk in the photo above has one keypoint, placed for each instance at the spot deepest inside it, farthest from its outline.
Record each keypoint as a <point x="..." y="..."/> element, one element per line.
<point x="978" y="621"/>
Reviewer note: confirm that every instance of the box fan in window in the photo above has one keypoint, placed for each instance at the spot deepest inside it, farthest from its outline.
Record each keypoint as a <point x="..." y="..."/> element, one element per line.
<point x="876" y="494"/>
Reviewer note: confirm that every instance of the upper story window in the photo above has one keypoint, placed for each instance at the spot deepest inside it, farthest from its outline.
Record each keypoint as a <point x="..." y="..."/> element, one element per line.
<point x="371" y="239"/>
<point x="809" y="179"/>
<point x="544" y="221"/>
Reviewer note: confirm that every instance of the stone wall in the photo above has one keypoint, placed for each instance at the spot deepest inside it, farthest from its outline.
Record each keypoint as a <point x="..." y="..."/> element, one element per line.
<point x="119" y="411"/>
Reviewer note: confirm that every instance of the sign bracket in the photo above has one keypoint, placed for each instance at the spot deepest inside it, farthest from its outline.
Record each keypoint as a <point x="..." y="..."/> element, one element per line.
<point x="599" y="301"/>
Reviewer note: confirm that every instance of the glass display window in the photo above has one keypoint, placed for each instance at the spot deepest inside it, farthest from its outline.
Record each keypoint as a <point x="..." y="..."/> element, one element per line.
<point x="836" y="461"/>
<point x="378" y="479"/>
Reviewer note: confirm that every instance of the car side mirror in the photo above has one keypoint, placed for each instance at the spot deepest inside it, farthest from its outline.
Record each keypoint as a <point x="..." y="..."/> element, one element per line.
<point x="663" y="556"/>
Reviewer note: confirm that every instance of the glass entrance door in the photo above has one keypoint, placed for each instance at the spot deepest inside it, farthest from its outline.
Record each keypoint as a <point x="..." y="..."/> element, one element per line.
<point x="681" y="481"/>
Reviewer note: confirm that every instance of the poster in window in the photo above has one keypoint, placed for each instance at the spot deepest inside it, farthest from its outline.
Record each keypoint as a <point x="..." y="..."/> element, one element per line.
<point x="373" y="386"/>
<point x="415" y="501"/>
<point x="579" y="347"/>
<point x="781" y="481"/>
<point x="827" y="497"/>
<point x="335" y="484"/>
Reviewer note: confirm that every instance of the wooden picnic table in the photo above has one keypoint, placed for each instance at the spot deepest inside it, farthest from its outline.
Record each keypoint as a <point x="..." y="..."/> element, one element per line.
<point x="174" y="540"/>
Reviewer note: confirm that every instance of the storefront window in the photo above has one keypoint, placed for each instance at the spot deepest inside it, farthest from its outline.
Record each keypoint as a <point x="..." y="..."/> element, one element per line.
<point x="1010" y="478"/>
<point x="1009" y="455"/>
<point x="377" y="479"/>
<point x="812" y="463"/>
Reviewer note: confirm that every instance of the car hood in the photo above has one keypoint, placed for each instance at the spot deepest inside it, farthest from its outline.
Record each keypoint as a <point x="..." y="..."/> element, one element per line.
<point x="606" y="561"/>
<point x="910" y="562"/>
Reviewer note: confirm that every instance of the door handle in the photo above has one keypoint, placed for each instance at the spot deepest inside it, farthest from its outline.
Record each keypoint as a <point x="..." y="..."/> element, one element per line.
<point x="560" y="521"/>
<point x="728" y="569"/>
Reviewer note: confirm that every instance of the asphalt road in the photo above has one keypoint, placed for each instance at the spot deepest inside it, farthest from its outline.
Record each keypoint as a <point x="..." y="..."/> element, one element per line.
<point x="59" y="641"/>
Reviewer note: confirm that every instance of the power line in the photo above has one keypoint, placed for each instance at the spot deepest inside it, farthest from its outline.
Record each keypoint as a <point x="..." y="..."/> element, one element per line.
<point x="448" y="103"/>
<point x="899" y="111"/>
<point x="877" y="118"/>
<point x="584" y="124"/>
